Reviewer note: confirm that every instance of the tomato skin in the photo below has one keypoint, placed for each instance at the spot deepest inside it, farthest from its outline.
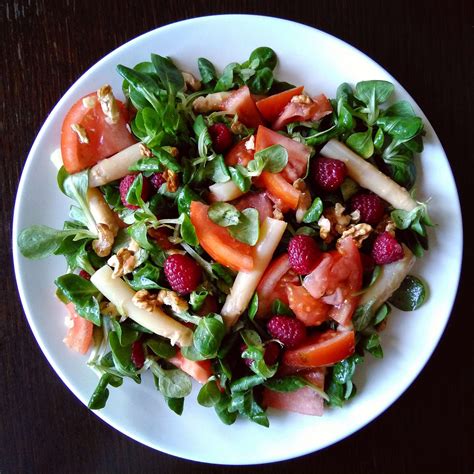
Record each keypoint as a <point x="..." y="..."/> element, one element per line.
<point x="322" y="349"/>
<point x="217" y="241"/>
<point x="79" y="336"/>
<point x="271" y="107"/>
<point x="259" y="201"/>
<point x="239" y="154"/>
<point x="298" y="154"/>
<point x="104" y="139"/>
<point x="286" y="196"/>
<point x="199" y="370"/>
<point x="308" y="310"/>
<point x="240" y="102"/>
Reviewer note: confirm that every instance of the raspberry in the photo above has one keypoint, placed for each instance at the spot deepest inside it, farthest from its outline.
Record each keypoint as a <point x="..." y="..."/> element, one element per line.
<point x="386" y="249"/>
<point x="222" y="137"/>
<point x="183" y="273"/>
<point x="370" y="206"/>
<point x="125" y="184"/>
<point x="289" y="331"/>
<point x="303" y="254"/>
<point x="138" y="356"/>
<point x="84" y="274"/>
<point x="157" y="180"/>
<point x="270" y="356"/>
<point x="329" y="173"/>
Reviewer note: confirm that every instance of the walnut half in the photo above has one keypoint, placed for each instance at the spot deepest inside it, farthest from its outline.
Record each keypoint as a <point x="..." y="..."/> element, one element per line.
<point x="103" y="245"/>
<point x="145" y="300"/>
<point x="122" y="262"/>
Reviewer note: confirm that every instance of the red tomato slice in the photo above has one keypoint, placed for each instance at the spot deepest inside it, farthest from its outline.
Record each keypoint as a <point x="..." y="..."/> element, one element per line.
<point x="300" y="112"/>
<point x="304" y="400"/>
<point x="298" y="154"/>
<point x="308" y="310"/>
<point x="217" y="241"/>
<point x="79" y="335"/>
<point x="199" y="370"/>
<point x="104" y="139"/>
<point x="239" y="154"/>
<point x="259" y="201"/>
<point x="240" y="102"/>
<point x="271" y="107"/>
<point x="337" y="279"/>
<point x="284" y="194"/>
<point x="323" y="349"/>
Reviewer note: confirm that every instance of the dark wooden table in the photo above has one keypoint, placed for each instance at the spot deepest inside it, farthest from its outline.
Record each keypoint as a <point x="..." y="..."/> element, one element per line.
<point x="45" y="46"/>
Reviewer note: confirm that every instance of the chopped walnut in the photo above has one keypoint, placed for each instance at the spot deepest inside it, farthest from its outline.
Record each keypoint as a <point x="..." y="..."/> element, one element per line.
<point x="301" y="99"/>
<point x="108" y="104"/>
<point x="304" y="202"/>
<point x="238" y="128"/>
<point x="143" y="299"/>
<point x="210" y="102"/>
<point x="190" y="82"/>
<point x="250" y="143"/>
<point x="386" y="225"/>
<point x="175" y="251"/>
<point x="145" y="151"/>
<point x="338" y="222"/>
<point x="172" y="180"/>
<point x="277" y="214"/>
<point x="103" y="245"/>
<point x="133" y="246"/>
<point x="358" y="232"/>
<point x="123" y="262"/>
<point x="172" y="299"/>
<point x="355" y="216"/>
<point x="109" y="309"/>
<point x="81" y="133"/>
<point x="89" y="102"/>
<point x="324" y="227"/>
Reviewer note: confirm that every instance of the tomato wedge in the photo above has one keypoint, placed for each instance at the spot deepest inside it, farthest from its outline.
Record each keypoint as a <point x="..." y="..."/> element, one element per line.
<point x="239" y="154"/>
<point x="217" y="241"/>
<point x="308" y="310"/>
<point x="104" y="139"/>
<point x="240" y="102"/>
<point x="199" y="370"/>
<point x="286" y="196"/>
<point x="315" y="110"/>
<point x="79" y="335"/>
<point x="271" y="107"/>
<point x="298" y="154"/>
<point x="323" y="349"/>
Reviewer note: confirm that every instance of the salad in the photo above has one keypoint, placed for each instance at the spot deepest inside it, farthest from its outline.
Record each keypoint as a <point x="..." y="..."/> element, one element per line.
<point x="235" y="230"/>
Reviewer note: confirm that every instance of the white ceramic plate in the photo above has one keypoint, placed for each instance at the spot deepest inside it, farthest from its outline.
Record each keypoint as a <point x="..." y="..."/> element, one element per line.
<point x="320" y="62"/>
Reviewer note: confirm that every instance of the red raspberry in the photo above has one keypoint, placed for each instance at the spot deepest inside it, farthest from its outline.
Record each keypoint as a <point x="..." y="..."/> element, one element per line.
<point x="125" y="184"/>
<point x="303" y="254"/>
<point x="84" y="274"/>
<point x="329" y="173"/>
<point x="183" y="273"/>
<point x="138" y="356"/>
<point x="370" y="206"/>
<point x="289" y="331"/>
<point x="157" y="180"/>
<point x="222" y="137"/>
<point x="270" y="356"/>
<point x="386" y="249"/>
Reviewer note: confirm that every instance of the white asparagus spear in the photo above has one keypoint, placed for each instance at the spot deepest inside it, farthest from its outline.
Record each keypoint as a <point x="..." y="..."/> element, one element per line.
<point x="224" y="191"/>
<point x="120" y="294"/>
<point x="369" y="177"/>
<point x="245" y="283"/>
<point x="390" y="278"/>
<point x="101" y="211"/>
<point x="115" y="167"/>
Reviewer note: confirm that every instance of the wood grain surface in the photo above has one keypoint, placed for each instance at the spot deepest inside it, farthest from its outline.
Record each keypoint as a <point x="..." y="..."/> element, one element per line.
<point x="46" y="45"/>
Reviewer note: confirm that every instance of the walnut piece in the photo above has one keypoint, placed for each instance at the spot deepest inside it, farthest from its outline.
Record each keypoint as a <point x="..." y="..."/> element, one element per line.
<point x="190" y="82"/>
<point x="386" y="225"/>
<point x="81" y="133"/>
<point x="250" y="143"/>
<point x="108" y="104"/>
<point x="172" y="299"/>
<point x="358" y="232"/>
<point x="103" y="245"/>
<point x="324" y="227"/>
<point x="210" y="102"/>
<point x="123" y="262"/>
<point x="304" y="202"/>
<point x="145" y="151"/>
<point x="143" y="299"/>
<point x="277" y="214"/>
<point x="238" y="128"/>
<point x="301" y="99"/>
<point x="109" y="309"/>
<point x="172" y="180"/>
